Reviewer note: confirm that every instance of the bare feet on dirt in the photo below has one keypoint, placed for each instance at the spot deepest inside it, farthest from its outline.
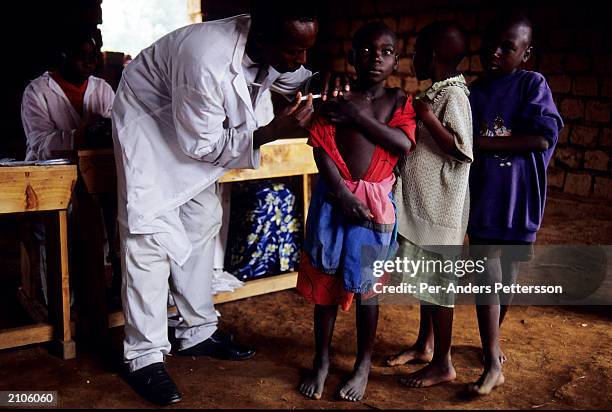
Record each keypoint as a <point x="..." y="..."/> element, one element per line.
<point x="430" y="375"/>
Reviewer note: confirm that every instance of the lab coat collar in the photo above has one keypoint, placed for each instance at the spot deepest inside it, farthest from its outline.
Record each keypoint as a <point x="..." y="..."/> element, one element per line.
<point x="239" y="81"/>
<point x="244" y="23"/>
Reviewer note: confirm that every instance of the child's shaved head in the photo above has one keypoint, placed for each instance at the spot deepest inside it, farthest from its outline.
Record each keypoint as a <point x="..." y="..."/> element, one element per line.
<point x="505" y="21"/>
<point x="365" y="32"/>
<point x="506" y="44"/>
<point x="447" y="40"/>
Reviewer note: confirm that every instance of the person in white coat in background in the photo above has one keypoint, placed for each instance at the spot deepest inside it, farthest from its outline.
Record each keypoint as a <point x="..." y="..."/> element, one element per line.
<point x="64" y="109"/>
<point x="188" y="108"/>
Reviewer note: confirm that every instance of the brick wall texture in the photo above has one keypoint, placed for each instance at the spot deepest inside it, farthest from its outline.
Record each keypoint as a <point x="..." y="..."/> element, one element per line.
<point x="571" y="48"/>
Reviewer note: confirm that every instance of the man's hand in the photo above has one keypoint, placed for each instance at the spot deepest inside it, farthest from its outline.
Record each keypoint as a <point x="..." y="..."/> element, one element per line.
<point x="292" y="121"/>
<point x="353" y="208"/>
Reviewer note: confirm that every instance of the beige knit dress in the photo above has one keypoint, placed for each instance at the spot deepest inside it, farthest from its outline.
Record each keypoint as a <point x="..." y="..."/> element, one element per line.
<point x="432" y="192"/>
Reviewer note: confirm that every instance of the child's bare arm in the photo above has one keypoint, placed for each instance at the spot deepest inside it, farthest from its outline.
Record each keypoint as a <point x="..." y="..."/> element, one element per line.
<point x="442" y="136"/>
<point x="389" y="138"/>
<point x="358" y="112"/>
<point x="350" y="204"/>
<point x="514" y="143"/>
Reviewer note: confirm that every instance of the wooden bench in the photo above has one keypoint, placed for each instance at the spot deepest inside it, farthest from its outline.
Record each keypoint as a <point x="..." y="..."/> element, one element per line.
<point x="44" y="189"/>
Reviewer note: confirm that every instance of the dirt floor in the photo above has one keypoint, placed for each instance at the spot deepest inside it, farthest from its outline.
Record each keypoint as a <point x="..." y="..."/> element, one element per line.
<point x="559" y="358"/>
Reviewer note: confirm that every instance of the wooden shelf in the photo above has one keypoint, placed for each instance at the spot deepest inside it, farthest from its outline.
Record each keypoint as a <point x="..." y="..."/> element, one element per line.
<point x="282" y="158"/>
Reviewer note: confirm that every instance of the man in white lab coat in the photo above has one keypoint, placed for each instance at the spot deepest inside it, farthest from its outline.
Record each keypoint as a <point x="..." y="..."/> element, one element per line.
<point x="63" y="110"/>
<point x="191" y="106"/>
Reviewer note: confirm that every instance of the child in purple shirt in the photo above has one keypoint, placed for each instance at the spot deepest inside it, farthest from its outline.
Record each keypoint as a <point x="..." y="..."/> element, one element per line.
<point x="516" y="125"/>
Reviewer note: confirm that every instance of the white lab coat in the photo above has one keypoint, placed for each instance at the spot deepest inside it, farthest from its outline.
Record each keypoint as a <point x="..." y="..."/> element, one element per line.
<point x="182" y="117"/>
<point x="49" y="119"/>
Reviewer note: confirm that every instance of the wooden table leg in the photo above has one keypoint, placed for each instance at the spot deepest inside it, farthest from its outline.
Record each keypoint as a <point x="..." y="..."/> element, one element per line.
<point x="59" y="289"/>
<point x="305" y="197"/>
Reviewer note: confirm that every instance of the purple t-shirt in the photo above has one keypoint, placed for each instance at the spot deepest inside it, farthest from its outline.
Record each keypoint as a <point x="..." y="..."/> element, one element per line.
<point x="508" y="190"/>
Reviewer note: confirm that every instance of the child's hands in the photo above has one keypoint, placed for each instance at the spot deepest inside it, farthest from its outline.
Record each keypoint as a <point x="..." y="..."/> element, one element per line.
<point x="334" y="85"/>
<point x="347" y="108"/>
<point x="353" y="208"/>
<point x="421" y="108"/>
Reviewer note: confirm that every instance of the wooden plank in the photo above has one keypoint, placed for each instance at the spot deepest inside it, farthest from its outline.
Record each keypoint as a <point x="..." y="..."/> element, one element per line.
<point x="59" y="293"/>
<point x="64" y="333"/>
<point x="252" y="288"/>
<point x="25" y="335"/>
<point x="97" y="170"/>
<point x="116" y="319"/>
<point x="305" y="199"/>
<point x="36" y="188"/>
<point x="259" y="287"/>
<point x="285" y="157"/>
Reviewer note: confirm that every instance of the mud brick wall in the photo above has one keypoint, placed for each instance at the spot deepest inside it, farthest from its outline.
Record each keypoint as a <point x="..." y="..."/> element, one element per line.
<point x="572" y="49"/>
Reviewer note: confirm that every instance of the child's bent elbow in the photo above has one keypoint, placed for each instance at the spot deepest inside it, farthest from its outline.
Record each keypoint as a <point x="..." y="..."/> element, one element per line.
<point x="406" y="149"/>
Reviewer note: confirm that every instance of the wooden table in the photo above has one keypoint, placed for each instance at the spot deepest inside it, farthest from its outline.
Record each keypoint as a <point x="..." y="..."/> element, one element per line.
<point x="44" y="189"/>
<point x="282" y="158"/>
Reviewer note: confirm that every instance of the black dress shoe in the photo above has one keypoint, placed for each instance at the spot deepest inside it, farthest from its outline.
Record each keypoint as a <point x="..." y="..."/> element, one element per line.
<point x="155" y="384"/>
<point x="221" y="346"/>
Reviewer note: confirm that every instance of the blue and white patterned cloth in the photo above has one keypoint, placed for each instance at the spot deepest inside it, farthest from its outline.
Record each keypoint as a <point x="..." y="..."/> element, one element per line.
<point x="266" y="229"/>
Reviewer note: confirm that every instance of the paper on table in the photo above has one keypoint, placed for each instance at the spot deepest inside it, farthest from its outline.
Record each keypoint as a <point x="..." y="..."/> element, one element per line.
<point x="15" y="163"/>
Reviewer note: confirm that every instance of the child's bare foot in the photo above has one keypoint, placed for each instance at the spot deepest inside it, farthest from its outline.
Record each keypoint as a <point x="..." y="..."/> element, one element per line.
<point x="430" y="375"/>
<point x="312" y="385"/>
<point x="354" y="388"/>
<point x="414" y="354"/>
<point x="489" y="380"/>
<point x="502" y="357"/>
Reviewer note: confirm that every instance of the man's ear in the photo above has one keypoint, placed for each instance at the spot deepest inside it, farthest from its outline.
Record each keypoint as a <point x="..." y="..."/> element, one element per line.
<point x="351" y="57"/>
<point x="527" y="54"/>
<point x="257" y="36"/>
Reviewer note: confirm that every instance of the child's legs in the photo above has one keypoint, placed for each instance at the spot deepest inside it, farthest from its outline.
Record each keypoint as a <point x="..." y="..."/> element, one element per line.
<point x="488" y="312"/>
<point x="440" y="369"/>
<point x="442" y="323"/>
<point x="510" y="270"/>
<point x="488" y="309"/>
<point x="367" y="322"/>
<point x="425" y="340"/>
<point x="324" y="322"/>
